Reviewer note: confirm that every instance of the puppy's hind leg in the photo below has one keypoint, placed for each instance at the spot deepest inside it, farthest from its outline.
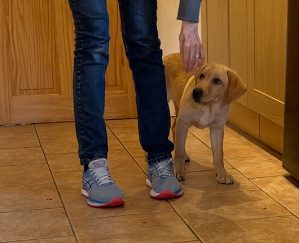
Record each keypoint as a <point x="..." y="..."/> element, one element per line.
<point x="217" y="134"/>
<point x="181" y="131"/>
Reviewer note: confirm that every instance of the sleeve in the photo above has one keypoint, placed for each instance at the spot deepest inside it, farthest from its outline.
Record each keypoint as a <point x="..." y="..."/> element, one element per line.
<point x="189" y="10"/>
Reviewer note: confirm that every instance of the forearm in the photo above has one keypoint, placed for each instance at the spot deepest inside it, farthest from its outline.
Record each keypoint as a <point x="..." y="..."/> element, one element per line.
<point x="189" y="10"/>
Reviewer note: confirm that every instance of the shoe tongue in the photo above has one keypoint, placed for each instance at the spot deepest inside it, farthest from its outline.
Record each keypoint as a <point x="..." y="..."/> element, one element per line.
<point x="99" y="163"/>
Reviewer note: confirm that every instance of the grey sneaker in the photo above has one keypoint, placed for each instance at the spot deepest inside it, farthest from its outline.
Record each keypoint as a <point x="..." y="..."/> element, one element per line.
<point x="99" y="187"/>
<point x="162" y="181"/>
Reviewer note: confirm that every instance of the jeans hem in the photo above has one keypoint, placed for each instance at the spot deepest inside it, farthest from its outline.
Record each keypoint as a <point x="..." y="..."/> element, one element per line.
<point x="160" y="158"/>
<point x="86" y="161"/>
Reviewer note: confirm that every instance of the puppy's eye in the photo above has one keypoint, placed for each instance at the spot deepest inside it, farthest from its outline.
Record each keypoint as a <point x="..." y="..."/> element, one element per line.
<point x="217" y="81"/>
<point x="201" y="77"/>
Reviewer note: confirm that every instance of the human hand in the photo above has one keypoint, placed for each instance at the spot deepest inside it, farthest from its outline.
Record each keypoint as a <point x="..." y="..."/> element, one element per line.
<point x="190" y="46"/>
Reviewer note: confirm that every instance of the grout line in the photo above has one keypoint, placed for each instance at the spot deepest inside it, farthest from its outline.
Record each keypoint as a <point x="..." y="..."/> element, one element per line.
<point x="122" y="215"/>
<point x="25" y="240"/>
<point x="185" y="222"/>
<point x="251" y="180"/>
<point x="285" y="207"/>
<point x="27" y="185"/>
<point x="65" y="211"/>
<point x="261" y="177"/>
<point x="29" y="210"/>
<point x="125" y="148"/>
<point x="20" y="165"/>
<point x="24" y="147"/>
<point x="194" y="135"/>
<point x="11" y="148"/>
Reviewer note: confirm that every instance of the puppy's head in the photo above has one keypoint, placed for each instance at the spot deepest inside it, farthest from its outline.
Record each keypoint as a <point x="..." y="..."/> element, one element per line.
<point x="215" y="82"/>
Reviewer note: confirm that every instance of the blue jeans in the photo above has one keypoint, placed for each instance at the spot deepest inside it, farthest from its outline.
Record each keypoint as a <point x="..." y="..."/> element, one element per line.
<point x="142" y="45"/>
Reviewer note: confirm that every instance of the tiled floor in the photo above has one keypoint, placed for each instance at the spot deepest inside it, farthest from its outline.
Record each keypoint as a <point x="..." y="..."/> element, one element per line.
<point x="40" y="180"/>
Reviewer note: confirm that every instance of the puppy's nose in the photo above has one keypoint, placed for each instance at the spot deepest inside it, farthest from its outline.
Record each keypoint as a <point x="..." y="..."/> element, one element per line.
<point x="197" y="93"/>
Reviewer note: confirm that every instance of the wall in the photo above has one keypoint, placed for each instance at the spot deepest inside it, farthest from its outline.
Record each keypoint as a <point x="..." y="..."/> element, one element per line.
<point x="168" y="25"/>
<point x="169" y="29"/>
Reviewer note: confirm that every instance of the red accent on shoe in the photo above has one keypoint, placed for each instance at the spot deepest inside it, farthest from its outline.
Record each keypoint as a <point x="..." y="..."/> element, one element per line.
<point x="115" y="202"/>
<point x="167" y="194"/>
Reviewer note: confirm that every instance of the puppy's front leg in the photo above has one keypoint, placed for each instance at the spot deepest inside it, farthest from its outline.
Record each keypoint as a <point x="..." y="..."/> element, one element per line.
<point x="217" y="134"/>
<point x="181" y="130"/>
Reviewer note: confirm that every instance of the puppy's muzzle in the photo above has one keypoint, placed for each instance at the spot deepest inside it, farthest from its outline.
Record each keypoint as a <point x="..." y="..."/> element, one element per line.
<point x="197" y="94"/>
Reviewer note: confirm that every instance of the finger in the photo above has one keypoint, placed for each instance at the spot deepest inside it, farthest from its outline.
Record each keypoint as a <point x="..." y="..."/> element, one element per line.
<point x="192" y="59"/>
<point x="202" y="54"/>
<point x="181" y="41"/>
<point x="186" y="56"/>
<point x="197" y="60"/>
<point x="198" y="56"/>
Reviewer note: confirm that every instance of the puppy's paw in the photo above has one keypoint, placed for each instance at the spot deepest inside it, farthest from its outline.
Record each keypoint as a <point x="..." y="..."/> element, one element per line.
<point x="180" y="177"/>
<point x="224" y="178"/>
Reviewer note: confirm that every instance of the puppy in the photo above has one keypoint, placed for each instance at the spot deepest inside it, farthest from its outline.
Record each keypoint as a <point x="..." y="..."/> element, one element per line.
<point x="202" y="100"/>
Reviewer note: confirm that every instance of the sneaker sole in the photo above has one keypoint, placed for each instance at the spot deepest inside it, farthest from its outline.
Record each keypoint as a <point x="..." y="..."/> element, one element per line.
<point x="115" y="202"/>
<point x="167" y="194"/>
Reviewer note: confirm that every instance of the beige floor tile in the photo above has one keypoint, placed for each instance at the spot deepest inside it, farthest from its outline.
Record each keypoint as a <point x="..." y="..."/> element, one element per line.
<point x="60" y="138"/>
<point x="136" y="151"/>
<point x="35" y="224"/>
<point x="201" y="156"/>
<point x="21" y="156"/>
<point x="205" y="181"/>
<point x="57" y="138"/>
<point x="128" y="176"/>
<point x="231" y="205"/>
<point x="253" y="167"/>
<point x="29" y="197"/>
<point x="204" y="134"/>
<point x="125" y="130"/>
<point x="17" y="129"/>
<point x="67" y="239"/>
<point x="18" y="137"/>
<point x="222" y="229"/>
<point x="25" y="175"/>
<point x="282" y="190"/>
<point x="64" y="162"/>
<point x="235" y="145"/>
<point x="191" y="241"/>
<point x="154" y="227"/>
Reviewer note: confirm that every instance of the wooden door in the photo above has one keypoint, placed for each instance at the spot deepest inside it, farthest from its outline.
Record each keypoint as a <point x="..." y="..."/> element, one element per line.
<point x="250" y="37"/>
<point x="36" y="63"/>
<point x="267" y="89"/>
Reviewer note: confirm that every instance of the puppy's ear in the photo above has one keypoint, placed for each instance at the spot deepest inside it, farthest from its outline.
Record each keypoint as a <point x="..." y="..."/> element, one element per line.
<point x="199" y="70"/>
<point x="236" y="87"/>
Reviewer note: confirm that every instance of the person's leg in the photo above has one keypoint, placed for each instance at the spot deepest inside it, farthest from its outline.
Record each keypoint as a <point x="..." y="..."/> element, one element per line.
<point x="142" y="46"/>
<point x="91" y="59"/>
<point x="145" y="58"/>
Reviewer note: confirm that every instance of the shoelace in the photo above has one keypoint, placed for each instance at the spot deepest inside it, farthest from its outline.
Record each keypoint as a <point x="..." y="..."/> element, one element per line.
<point x="164" y="169"/>
<point x="102" y="176"/>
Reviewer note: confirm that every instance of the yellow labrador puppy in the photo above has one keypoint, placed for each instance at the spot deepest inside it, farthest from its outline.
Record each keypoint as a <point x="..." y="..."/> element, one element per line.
<point x="202" y="100"/>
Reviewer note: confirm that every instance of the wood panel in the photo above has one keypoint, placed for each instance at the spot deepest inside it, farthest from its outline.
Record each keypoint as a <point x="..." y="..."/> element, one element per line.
<point x="37" y="53"/>
<point x="270" y="47"/>
<point x="266" y="90"/>
<point x="4" y="63"/>
<point x="271" y="134"/>
<point x="245" y="119"/>
<point x="240" y="45"/>
<point x="217" y="31"/>
<point x="250" y="36"/>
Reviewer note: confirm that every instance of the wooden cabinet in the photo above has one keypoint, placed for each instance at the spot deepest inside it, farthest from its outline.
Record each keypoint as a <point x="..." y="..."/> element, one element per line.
<point x="250" y="37"/>
<point x="36" y="63"/>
